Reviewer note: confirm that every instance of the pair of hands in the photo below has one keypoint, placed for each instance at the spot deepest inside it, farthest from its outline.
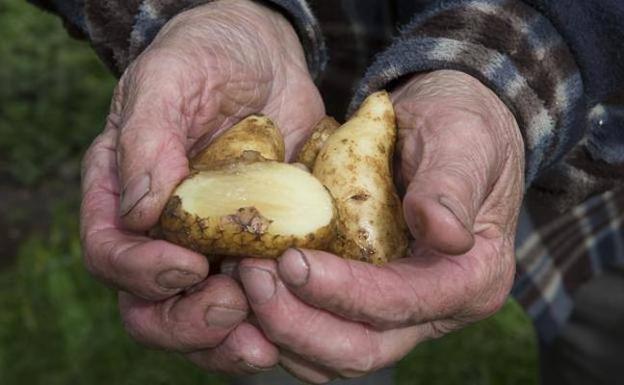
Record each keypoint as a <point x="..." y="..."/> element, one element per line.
<point x="460" y="161"/>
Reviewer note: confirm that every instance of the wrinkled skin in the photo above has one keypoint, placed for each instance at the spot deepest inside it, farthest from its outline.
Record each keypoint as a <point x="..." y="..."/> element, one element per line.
<point x="461" y="162"/>
<point x="207" y="69"/>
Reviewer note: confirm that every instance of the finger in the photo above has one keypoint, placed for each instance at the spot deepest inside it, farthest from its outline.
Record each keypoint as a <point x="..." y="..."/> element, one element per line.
<point x="244" y="351"/>
<point x="457" y="141"/>
<point x="305" y="370"/>
<point x="199" y="319"/>
<point x="132" y="263"/>
<point x="453" y="178"/>
<point x="405" y="292"/>
<point x="349" y="348"/>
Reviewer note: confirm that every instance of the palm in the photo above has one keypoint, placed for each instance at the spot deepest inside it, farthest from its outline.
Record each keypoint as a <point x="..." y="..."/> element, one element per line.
<point x="459" y="161"/>
<point x="208" y="68"/>
<point x="218" y="84"/>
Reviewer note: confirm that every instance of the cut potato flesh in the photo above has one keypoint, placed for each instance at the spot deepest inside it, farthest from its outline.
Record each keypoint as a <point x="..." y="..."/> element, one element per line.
<point x="355" y="165"/>
<point x="258" y="209"/>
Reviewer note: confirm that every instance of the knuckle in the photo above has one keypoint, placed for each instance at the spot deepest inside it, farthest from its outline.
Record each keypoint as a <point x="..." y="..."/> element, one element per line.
<point x="93" y="154"/>
<point x="91" y="255"/>
<point x="365" y="357"/>
<point x="494" y="304"/>
<point x="493" y="283"/>
<point x="128" y="140"/>
<point x="373" y="298"/>
<point x="90" y="263"/>
<point x="136" y="329"/>
<point x="141" y="334"/>
<point x="358" y="368"/>
<point x="438" y="329"/>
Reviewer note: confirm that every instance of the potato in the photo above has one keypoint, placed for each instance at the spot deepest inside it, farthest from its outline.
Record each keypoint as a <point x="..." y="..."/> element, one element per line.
<point x="253" y="139"/>
<point x="238" y="203"/>
<point x="311" y="148"/>
<point x="243" y="201"/>
<point x="259" y="209"/>
<point x="355" y="165"/>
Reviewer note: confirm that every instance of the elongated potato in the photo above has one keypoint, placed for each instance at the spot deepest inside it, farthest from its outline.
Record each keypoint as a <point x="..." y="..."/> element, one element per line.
<point x="258" y="209"/>
<point x="312" y="147"/>
<point x="253" y="139"/>
<point x="355" y="165"/>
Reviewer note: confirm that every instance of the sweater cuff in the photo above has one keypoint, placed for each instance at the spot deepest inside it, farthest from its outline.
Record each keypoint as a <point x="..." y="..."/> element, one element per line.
<point x="121" y="30"/>
<point x="509" y="47"/>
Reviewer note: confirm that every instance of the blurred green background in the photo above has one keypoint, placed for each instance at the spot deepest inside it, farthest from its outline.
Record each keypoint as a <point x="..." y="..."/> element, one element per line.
<point x="58" y="326"/>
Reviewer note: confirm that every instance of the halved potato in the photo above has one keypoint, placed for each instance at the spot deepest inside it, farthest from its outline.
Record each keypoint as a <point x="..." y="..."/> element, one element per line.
<point x="259" y="209"/>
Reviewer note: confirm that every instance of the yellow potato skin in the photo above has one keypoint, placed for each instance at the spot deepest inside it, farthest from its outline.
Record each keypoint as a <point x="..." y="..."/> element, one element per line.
<point x="253" y="139"/>
<point x="352" y="161"/>
<point x="355" y="166"/>
<point x="244" y="232"/>
<point x="310" y="150"/>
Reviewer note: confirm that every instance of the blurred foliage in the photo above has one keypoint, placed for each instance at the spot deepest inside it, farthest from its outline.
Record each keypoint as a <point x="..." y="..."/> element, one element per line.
<point x="59" y="326"/>
<point x="499" y="350"/>
<point x="54" y="95"/>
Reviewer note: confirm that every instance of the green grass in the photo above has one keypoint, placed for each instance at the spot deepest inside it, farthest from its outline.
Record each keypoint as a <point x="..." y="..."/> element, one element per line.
<point x="500" y="350"/>
<point x="59" y="326"/>
<point x="54" y="94"/>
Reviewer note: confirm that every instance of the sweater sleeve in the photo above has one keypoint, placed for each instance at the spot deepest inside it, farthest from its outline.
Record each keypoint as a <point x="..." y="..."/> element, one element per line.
<point x="120" y="30"/>
<point x="510" y="47"/>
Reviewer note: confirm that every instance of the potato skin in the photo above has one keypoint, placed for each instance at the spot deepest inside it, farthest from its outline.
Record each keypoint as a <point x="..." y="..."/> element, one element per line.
<point x="253" y="139"/>
<point x="243" y="233"/>
<point x="353" y="162"/>
<point x="311" y="148"/>
<point x="355" y="166"/>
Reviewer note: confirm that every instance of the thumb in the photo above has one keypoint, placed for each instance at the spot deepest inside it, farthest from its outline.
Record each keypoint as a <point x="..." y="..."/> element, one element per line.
<point x="458" y="167"/>
<point x="457" y="138"/>
<point x="151" y="149"/>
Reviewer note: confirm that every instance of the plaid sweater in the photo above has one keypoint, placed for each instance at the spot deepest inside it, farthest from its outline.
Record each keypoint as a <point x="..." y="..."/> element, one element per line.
<point x="556" y="64"/>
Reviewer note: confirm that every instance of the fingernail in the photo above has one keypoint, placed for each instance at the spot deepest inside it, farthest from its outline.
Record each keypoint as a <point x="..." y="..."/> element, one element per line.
<point x="223" y="317"/>
<point x="177" y="279"/>
<point x="259" y="284"/>
<point x="294" y="268"/>
<point x="229" y="266"/>
<point x="457" y="210"/>
<point x="135" y="190"/>
<point x="254" y="369"/>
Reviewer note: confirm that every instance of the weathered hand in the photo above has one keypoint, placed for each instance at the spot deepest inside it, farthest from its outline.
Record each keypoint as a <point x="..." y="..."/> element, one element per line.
<point x="208" y="68"/>
<point x="461" y="164"/>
